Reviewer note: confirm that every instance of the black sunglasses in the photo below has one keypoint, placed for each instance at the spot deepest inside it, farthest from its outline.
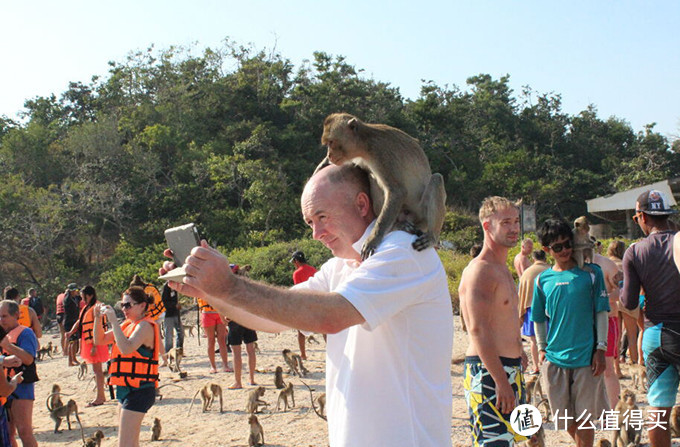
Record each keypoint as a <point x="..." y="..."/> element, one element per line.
<point x="559" y="247"/>
<point x="124" y="305"/>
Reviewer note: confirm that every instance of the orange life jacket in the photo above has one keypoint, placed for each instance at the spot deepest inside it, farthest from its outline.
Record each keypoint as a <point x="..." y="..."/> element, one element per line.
<point x="157" y="308"/>
<point x="133" y="369"/>
<point x="87" y="324"/>
<point x="205" y="307"/>
<point x="30" y="371"/>
<point x="24" y="315"/>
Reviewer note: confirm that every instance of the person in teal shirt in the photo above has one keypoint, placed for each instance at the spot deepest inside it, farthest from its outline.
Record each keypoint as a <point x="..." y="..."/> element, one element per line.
<point x="571" y="351"/>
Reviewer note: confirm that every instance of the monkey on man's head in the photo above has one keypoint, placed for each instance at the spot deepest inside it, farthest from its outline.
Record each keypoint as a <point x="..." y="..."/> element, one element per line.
<point x="403" y="189"/>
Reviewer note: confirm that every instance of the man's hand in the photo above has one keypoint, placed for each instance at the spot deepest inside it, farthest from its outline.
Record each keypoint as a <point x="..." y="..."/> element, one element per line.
<point x="17" y="379"/>
<point x="598" y="362"/>
<point x="505" y="397"/>
<point x="11" y="361"/>
<point x="541" y="357"/>
<point x="208" y="273"/>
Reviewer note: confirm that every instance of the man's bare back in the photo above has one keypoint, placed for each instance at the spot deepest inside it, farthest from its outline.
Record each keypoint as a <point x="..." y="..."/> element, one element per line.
<point x="612" y="276"/>
<point x="488" y="299"/>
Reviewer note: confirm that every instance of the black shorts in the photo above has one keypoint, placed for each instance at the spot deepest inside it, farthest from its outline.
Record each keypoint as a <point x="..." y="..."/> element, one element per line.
<point x="239" y="334"/>
<point x="139" y="399"/>
<point x="60" y="319"/>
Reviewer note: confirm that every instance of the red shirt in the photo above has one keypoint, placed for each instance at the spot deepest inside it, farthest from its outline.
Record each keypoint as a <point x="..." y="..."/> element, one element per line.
<point x="303" y="273"/>
<point x="25" y="301"/>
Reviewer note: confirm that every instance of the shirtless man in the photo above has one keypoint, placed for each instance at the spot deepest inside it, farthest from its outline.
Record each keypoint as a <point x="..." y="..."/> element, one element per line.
<point x="522" y="259"/>
<point x="612" y="276"/>
<point x="494" y="358"/>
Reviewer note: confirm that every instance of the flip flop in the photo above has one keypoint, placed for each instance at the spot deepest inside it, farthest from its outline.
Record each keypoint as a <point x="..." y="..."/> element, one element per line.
<point x="213" y="371"/>
<point x="94" y="404"/>
<point x="228" y="370"/>
<point x="234" y="387"/>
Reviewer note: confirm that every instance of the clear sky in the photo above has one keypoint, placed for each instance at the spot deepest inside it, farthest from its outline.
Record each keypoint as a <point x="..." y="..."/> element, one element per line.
<point x="621" y="56"/>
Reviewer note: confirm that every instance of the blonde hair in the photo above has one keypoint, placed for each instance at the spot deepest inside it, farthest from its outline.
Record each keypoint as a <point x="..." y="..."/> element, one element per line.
<point x="492" y="205"/>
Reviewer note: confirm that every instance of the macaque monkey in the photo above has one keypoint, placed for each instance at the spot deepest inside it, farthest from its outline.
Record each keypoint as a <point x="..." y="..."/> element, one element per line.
<point x="55" y="349"/>
<point x="534" y="389"/>
<point x="156" y="430"/>
<point x="603" y="443"/>
<point x="254" y="401"/>
<point x="208" y="394"/>
<point x="82" y="371"/>
<point x="639" y="373"/>
<point x="256" y="437"/>
<point x="284" y="395"/>
<point x="45" y="350"/>
<point x="625" y="433"/>
<point x="54" y="399"/>
<point x="64" y="411"/>
<point x="291" y="361"/>
<point x="405" y="193"/>
<point x="95" y="440"/>
<point x="175" y="356"/>
<point x="674" y="423"/>
<point x="536" y="440"/>
<point x="188" y="329"/>
<point x="583" y="244"/>
<point x="321" y="400"/>
<point x="278" y="378"/>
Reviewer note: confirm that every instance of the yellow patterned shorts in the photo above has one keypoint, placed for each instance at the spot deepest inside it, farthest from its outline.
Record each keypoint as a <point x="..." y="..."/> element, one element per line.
<point x="491" y="428"/>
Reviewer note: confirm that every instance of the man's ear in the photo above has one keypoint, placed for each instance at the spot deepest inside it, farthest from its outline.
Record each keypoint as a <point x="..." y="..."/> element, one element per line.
<point x="486" y="224"/>
<point x="363" y="203"/>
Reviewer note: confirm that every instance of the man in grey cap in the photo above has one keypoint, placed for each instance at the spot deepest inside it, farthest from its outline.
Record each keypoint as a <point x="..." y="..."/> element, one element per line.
<point x="649" y="264"/>
<point x="302" y="273"/>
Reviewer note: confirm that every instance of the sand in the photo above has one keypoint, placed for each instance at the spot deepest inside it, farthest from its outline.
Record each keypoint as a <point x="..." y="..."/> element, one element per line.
<point x="299" y="426"/>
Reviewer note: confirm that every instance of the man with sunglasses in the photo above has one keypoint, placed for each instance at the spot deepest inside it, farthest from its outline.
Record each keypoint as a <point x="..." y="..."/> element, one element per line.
<point x="572" y="349"/>
<point x="649" y="264"/>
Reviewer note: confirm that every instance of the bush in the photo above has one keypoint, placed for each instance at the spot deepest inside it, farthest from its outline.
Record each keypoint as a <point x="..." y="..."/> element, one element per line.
<point x="271" y="264"/>
<point x="454" y="263"/>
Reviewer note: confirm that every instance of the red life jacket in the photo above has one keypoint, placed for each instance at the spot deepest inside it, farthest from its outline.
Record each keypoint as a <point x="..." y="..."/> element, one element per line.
<point x="24" y="315"/>
<point x="133" y="369"/>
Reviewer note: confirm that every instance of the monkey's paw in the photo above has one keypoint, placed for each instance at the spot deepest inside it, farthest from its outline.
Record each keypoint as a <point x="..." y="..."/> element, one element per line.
<point x="423" y="241"/>
<point x="368" y="249"/>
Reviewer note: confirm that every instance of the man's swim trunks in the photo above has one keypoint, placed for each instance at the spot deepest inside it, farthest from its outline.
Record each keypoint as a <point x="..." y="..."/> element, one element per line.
<point x="661" y="349"/>
<point x="489" y="426"/>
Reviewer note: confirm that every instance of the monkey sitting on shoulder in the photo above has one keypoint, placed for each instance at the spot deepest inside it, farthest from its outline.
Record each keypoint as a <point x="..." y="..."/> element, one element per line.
<point x="95" y="440"/>
<point x="626" y="433"/>
<point x="156" y="430"/>
<point x="254" y="400"/>
<point x="256" y="436"/>
<point x="284" y="395"/>
<point x="583" y="244"/>
<point x="64" y="411"/>
<point x="405" y="192"/>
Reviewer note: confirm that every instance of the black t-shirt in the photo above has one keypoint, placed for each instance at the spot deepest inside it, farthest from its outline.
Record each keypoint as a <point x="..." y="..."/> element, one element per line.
<point x="71" y="310"/>
<point x="170" y="298"/>
<point x="649" y="263"/>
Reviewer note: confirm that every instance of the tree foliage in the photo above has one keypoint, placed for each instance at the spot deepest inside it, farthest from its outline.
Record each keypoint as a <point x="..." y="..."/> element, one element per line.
<point x="226" y="138"/>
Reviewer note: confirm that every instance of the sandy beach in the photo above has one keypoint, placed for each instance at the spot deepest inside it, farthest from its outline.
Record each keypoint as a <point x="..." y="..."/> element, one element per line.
<point x="299" y="426"/>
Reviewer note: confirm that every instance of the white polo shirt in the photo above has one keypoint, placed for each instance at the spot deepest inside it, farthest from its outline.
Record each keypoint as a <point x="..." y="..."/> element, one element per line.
<point x="388" y="381"/>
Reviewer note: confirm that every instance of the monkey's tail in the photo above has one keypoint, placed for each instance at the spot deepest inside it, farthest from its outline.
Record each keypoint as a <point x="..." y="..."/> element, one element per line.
<point x="47" y="401"/>
<point x="82" y="432"/>
<point x="192" y="401"/>
<point x="311" y="395"/>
